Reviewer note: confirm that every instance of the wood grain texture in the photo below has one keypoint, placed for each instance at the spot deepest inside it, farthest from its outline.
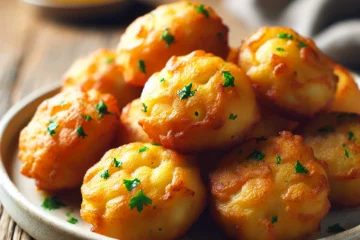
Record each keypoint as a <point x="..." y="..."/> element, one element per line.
<point x="36" y="51"/>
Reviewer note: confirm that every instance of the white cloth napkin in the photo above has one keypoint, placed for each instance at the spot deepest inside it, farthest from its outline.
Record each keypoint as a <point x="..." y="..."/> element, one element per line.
<point x="333" y="24"/>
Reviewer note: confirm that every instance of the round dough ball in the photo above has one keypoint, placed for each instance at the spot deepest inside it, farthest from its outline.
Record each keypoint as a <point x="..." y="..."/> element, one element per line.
<point x="100" y="71"/>
<point x="131" y="130"/>
<point x="67" y="135"/>
<point x="270" y="189"/>
<point x="143" y="191"/>
<point x="173" y="29"/>
<point x="288" y="72"/>
<point x="198" y="102"/>
<point x="335" y="139"/>
<point x="347" y="92"/>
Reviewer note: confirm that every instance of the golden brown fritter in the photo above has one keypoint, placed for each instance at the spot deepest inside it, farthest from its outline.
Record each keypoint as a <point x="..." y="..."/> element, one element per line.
<point x="143" y="191"/>
<point x="67" y="135"/>
<point x="347" y="93"/>
<point x="131" y="130"/>
<point x="288" y="72"/>
<point x="270" y="189"/>
<point x="100" y="71"/>
<point x="335" y="139"/>
<point x="198" y="102"/>
<point x="173" y="29"/>
<point x="233" y="56"/>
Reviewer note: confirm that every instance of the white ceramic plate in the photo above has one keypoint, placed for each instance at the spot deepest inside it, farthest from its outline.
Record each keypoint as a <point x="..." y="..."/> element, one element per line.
<point x="23" y="201"/>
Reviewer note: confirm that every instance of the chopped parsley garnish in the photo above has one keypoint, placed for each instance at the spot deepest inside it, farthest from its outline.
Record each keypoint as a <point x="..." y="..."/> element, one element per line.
<point x="86" y="117"/>
<point x="196" y="113"/>
<point x="72" y="220"/>
<point x="167" y="37"/>
<point x="274" y="219"/>
<point x="109" y="60"/>
<point x="102" y="109"/>
<point x="143" y="149"/>
<point x="346" y="152"/>
<point x="232" y="116"/>
<point x="156" y="144"/>
<point x="201" y="9"/>
<point x="278" y="159"/>
<point x="162" y="80"/>
<point x="131" y="184"/>
<point x="259" y="139"/>
<point x="336" y="228"/>
<point x="186" y="92"/>
<point x="51" y="127"/>
<point x="256" y="155"/>
<point x="105" y="174"/>
<point x="351" y="136"/>
<point x="280" y="49"/>
<point x="117" y="163"/>
<point x="52" y="203"/>
<point x="326" y="129"/>
<point x="229" y="79"/>
<point x="144" y="107"/>
<point x="62" y="102"/>
<point x="302" y="45"/>
<point x="299" y="168"/>
<point x="81" y="133"/>
<point x="286" y="36"/>
<point x="220" y="35"/>
<point x="139" y="201"/>
<point x="141" y="66"/>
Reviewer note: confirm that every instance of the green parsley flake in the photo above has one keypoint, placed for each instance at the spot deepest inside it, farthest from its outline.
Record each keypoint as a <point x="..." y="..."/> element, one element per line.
<point x="259" y="139"/>
<point x="326" y="129"/>
<point x="196" y="113"/>
<point x="143" y="149"/>
<point x="186" y="92"/>
<point x="62" y="103"/>
<point x="68" y="213"/>
<point x="141" y="66"/>
<point x="81" y="133"/>
<point x="72" y="220"/>
<point x="117" y="163"/>
<point x="156" y="144"/>
<point x="300" y="168"/>
<point x="162" y="80"/>
<point x="302" y="45"/>
<point x="280" y="49"/>
<point x="256" y="155"/>
<point x="286" y="36"/>
<point x="201" y="9"/>
<point x="139" y="201"/>
<point x="336" y="228"/>
<point x="102" y="109"/>
<point x="233" y="116"/>
<point x="278" y="159"/>
<point x="109" y="60"/>
<point x="167" y="37"/>
<point x="274" y="219"/>
<point x="51" y="127"/>
<point x="346" y="152"/>
<point x="86" y="117"/>
<point x="144" y="107"/>
<point x="220" y="35"/>
<point x="131" y="184"/>
<point x="52" y="203"/>
<point x="351" y="136"/>
<point x="105" y="174"/>
<point x="229" y="79"/>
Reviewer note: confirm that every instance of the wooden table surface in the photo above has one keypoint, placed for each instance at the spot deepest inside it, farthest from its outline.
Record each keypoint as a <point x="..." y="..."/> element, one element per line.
<point x="36" y="50"/>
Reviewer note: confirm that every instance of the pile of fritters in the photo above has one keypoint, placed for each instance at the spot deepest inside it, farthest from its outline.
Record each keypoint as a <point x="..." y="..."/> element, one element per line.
<point x="174" y="102"/>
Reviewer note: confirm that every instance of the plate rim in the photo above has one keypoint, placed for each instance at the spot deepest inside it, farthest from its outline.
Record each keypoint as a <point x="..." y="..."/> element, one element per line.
<point x="47" y="4"/>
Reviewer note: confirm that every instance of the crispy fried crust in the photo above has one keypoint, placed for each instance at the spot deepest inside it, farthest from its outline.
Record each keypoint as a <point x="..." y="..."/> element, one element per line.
<point x="233" y="55"/>
<point x="288" y="72"/>
<point x="248" y="192"/>
<point x="190" y="28"/>
<point x="60" y="161"/>
<point x="347" y="93"/>
<point x="132" y="131"/>
<point x="169" y="179"/>
<point x="335" y="139"/>
<point x="202" y="121"/>
<point x="101" y="71"/>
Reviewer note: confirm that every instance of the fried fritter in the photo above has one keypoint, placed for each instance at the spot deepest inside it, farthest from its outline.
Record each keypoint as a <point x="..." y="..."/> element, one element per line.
<point x="131" y="130"/>
<point x="198" y="102"/>
<point x="67" y="135"/>
<point x="233" y="56"/>
<point x="335" y="139"/>
<point x="270" y="189"/>
<point x="173" y="29"/>
<point x="143" y="191"/>
<point x="288" y="72"/>
<point x="347" y="93"/>
<point x="100" y="71"/>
